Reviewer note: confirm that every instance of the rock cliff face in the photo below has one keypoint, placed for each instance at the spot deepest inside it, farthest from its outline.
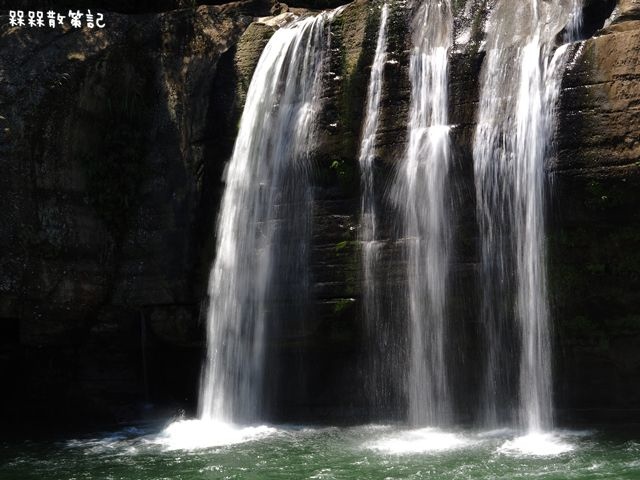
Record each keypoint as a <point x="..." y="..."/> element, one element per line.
<point x="595" y="224"/>
<point x="113" y="146"/>
<point x="108" y="208"/>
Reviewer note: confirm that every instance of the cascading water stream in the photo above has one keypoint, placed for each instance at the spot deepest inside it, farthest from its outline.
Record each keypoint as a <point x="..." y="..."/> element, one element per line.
<point x="520" y="83"/>
<point x="420" y="193"/>
<point x="369" y="216"/>
<point x="263" y="226"/>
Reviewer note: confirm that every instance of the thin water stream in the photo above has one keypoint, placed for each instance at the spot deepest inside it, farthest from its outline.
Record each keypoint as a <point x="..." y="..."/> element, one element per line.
<point x="420" y="194"/>
<point x="520" y="83"/>
<point x="372" y="289"/>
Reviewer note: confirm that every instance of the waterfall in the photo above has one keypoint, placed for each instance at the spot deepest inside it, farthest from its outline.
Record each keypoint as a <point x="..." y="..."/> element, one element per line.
<point x="369" y="218"/>
<point x="263" y="226"/>
<point x="575" y="23"/>
<point x="520" y="82"/>
<point x="420" y="192"/>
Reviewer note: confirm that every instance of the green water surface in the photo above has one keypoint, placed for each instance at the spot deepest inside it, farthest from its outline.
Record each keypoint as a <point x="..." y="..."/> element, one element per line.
<point x="368" y="452"/>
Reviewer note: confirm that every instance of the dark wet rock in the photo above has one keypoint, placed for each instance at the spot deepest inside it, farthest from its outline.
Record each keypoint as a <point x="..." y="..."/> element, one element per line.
<point x="595" y="227"/>
<point x="103" y="153"/>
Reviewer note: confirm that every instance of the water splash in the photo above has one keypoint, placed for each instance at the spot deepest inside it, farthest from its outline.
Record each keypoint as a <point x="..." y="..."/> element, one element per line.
<point x="420" y="194"/>
<point x="520" y="84"/>
<point x="198" y="434"/>
<point x="537" y="445"/>
<point x="423" y="440"/>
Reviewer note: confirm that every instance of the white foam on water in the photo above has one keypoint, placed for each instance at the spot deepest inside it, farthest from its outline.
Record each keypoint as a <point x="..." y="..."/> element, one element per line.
<point x="121" y="442"/>
<point x="536" y="444"/>
<point x="201" y="434"/>
<point x="424" y="440"/>
<point x="495" y="433"/>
